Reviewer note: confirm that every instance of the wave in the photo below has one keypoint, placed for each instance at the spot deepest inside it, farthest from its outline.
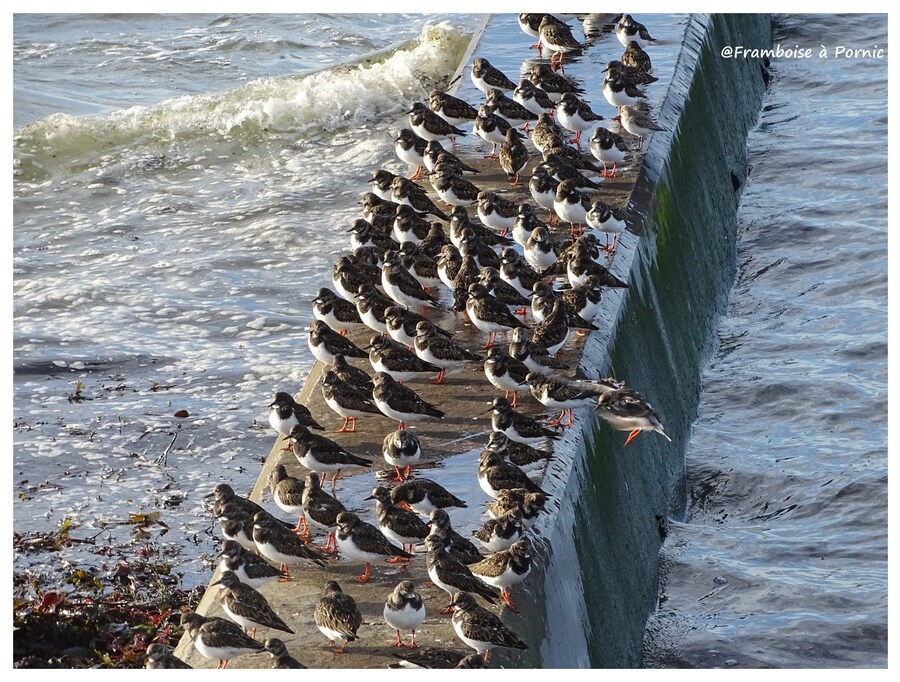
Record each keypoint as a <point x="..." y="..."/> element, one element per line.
<point x="305" y="106"/>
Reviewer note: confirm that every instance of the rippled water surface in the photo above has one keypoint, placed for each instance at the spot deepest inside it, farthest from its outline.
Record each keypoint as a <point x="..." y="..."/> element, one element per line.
<point x="783" y="558"/>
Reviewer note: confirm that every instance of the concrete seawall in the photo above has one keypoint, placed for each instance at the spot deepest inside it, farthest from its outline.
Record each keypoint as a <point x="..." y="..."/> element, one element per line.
<point x="595" y="582"/>
<point x="601" y="577"/>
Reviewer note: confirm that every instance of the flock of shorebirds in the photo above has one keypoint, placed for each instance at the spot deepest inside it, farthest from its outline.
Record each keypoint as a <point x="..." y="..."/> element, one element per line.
<point x="401" y="259"/>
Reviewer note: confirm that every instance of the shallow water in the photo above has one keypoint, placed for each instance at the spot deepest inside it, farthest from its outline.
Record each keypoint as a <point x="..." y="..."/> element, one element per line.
<point x="782" y="559"/>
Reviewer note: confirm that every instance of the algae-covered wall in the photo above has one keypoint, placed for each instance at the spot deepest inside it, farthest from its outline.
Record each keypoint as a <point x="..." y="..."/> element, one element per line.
<point x="600" y="580"/>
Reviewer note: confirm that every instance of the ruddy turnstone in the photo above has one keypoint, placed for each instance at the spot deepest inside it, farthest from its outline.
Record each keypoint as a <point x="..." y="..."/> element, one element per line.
<point x="542" y="300"/>
<point x="495" y="474"/>
<point x="553" y="330"/>
<point x="629" y="74"/>
<point x="377" y="210"/>
<point x="335" y="311"/>
<point x="397" y="524"/>
<point x="449" y="261"/>
<point x="627" y="410"/>
<point x="584" y="300"/>
<point x="401" y="448"/>
<point x="457" y="546"/>
<point x="517" y="426"/>
<point x="571" y="205"/>
<point x="348" y="275"/>
<point x="409" y="193"/>
<point x="419" y="264"/>
<point x="561" y="169"/>
<point x="381" y="183"/>
<point x="248" y="566"/>
<point x="247" y="607"/>
<point x="540" y="249"/>
<point x="404" y="610"/>
<point x="439" y="350"/>
<point x="513" y="156"/>
<point x="453" y="576"/>
<point x="459" y="221"/>
<point x="562" y="395"/>
<point x="281" y="659"/>
<point x="518" y="273"/>
<point x="160" y="657"/>
<point x="496" y="212"/>
<point x="281" y="546"/>
<point x="557" y="36"/>
<point x="287" y="492"/>
<point x="485" y="77"/>
<point x="371" y="304"/>
<point x="361" y="541"/>
<point x="453" y="189"/>
<point x="529" y="504"/>
<point x="409" y="226"/>
<point x="545" y="132"/>
<point x="402" y="325"/>
<point x="492" y="128"/>
<point x="285" y="413"/>
<point x="529" y="23"/>
<point x="628" y="30"/>
<point x="502" y="290"/>
<point x="429" y="125"/>
<point x="608" y="148"/>
<point x="536" y="357"/>
<point x="579" y="267"/>
<point x="217" y="638"/>
<point x="575" y="115"/>
<point x="410" y="148"/>
<point x="323" y="455"/>
<point x="543" y="190"/>
<point x="400" y="402"/>
<point x="322" y="509"/>
<point x="607" y="219"/>
<point x="225" y="494"/>
<point x="434" y="151"/>
<point x="523" y="456"/>
<point x="337" y="616"/>
<point x="638" y="122"/>
<point x="325" y="343"/>
<point x="554" y="84"/>
<point x="480" y="629"/>
<point x="236" y="525"/>
<point x="635" y="57"/>
<point x="401" y="286"/>
<point x="452" y="109"/>
<point x="350" y="374"/>
<point x="429" y="659"/>
<point x="506" y="373"/>
<point x="558" y="152"/>
<point x="533" y="98"/>
<point x="514" y="112"/>
<point x="505" y="568"/>
<point x="466" y="276"/>
<point x="488" y="314"/>
<point x="424" y="496"/>
<point x="620" y="93"/>
<point x="470" y="244"/>
<point x="346" y="400"/>
<point x="499" y="534"/>
<point x="434" y="241"/>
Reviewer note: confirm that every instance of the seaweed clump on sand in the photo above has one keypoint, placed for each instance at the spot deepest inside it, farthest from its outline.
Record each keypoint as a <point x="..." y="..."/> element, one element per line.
<point x="88" y="619"/>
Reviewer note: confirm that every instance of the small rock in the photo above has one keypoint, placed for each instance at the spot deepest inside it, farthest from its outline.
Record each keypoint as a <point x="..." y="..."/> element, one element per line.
<point x="182" y="414"/>
<point x="731" y="662"/>
<point x="719" y="580"/>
